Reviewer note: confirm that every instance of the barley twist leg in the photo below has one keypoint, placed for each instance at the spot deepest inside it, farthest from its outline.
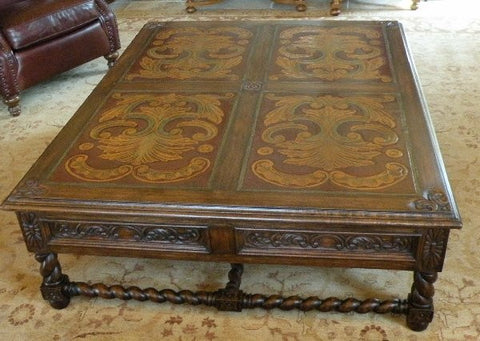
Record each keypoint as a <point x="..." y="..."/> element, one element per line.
<point x="54" y="282"/>
<point x="420" y="300"/>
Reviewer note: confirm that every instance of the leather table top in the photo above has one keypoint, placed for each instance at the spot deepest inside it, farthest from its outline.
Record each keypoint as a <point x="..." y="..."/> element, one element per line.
<point x="319" y="119"/>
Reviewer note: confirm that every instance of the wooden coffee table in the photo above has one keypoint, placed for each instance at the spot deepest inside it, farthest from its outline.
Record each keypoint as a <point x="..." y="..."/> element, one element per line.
<point x="287" y="142"/>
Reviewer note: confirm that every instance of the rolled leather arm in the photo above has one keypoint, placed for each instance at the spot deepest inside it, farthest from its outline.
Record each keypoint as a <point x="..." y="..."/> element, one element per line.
<point x="8" y="70"/>
<point x="109" y="24"/>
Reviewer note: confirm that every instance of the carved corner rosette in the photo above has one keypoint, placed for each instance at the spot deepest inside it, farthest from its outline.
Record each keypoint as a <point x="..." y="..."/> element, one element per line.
<point x="250" y="85"/>
<point x="433" y="249"/>
<point x="32" y="231"/>
<point x="30" y="188"/>
<point x="433" y="200"/>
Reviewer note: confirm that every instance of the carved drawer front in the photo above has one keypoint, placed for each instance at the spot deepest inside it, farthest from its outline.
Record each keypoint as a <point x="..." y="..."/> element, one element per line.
<point x="313" y="243"/>
<point x="162" y="237"/>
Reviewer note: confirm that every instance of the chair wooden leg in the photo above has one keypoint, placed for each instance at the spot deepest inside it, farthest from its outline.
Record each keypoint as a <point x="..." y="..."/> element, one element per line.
<point x="13" y="105"/>
<point x="111" y="58"/>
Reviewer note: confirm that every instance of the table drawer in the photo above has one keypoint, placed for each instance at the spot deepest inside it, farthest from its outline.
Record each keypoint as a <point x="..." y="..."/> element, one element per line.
<point x="162" y="237"/>
<point x="312" y="244"/>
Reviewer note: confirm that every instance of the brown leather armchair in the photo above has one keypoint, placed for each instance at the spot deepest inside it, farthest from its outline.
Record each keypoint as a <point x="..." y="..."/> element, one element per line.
<point x="41" y="38"/>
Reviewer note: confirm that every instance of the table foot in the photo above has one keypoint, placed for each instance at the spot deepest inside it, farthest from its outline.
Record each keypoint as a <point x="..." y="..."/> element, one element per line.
<point x="112" y="58"/>
<point x="300" y="6"/>
<point x="420" y="301"/>
<point x="54" y="282"/>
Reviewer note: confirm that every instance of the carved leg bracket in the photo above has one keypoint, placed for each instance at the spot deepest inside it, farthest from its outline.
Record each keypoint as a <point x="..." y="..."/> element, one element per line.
<point x="420" y="301"/>
<point x="54" y="282"/>
<point x="231" y="298"/>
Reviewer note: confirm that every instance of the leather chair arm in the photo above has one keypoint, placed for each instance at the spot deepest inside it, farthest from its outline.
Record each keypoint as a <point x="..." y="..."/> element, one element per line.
<point x="109" y="24"/>
<point x="8" y="70"/>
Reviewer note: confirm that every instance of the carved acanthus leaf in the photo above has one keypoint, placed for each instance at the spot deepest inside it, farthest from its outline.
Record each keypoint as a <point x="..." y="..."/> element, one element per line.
<point x="338" y="242"/>
<point x="165" y="234"/>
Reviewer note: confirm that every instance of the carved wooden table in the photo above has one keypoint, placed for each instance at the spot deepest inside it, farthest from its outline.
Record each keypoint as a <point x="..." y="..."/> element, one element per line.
<point x="288" y="142"/>
<point x="336" y="5"/>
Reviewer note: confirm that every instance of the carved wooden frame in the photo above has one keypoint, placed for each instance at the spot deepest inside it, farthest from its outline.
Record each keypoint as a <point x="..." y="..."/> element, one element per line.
<point x="429" y="249"/>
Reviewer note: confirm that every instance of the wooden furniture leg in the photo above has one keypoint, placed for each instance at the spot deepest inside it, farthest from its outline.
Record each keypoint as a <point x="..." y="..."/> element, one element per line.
<point x="335" y="6"/>
<point x="420" y="300"/>
<point x="57" y="289"/>
<point x="112" y="58"/>
<point x="190" y="8"/>
<point x="13" y="105"/>
<point x="54" y="282"/>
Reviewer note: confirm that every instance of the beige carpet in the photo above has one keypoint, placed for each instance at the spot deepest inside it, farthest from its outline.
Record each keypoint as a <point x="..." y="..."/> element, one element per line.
<point x="444" y="39"/>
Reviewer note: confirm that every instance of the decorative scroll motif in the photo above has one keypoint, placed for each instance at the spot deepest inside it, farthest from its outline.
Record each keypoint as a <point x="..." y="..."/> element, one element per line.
<point x="328" y="139"/>
<point x="30" y="188"/>
<point x="305" y="240"/>
<point x="194" y="53"/>
<point x="354" y="53"/>
<point x="434" y="200"/>
<point x="164" y="234"/>
<point x="31" y="230"/>
<point x="434" y="247"/>
<point x="155" y="138"/>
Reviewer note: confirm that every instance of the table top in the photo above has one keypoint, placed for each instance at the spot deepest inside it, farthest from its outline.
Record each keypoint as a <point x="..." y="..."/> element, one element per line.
<point x="317" y="120"/>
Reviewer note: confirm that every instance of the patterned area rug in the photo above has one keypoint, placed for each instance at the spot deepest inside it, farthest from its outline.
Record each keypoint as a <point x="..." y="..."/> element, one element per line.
<point x="443" y="37"/>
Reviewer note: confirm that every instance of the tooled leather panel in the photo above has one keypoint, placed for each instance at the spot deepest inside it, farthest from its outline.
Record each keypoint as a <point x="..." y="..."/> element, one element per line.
<point x="33" y="21"/>
<point x="109" y="24"/>
<point x="8" y="70"/>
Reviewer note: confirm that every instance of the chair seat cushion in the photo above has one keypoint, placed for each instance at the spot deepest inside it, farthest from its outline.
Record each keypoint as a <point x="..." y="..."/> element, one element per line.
<point x="29" y="22"/>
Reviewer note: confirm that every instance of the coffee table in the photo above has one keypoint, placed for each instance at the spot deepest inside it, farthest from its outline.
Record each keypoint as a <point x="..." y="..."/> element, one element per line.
<point x="276" y="142"/>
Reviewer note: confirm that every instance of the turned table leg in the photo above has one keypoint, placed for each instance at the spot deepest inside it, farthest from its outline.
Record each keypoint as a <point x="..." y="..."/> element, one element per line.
<point x="300" y="5"/>
<point x="54" y="281"/>
<point x="335" y="7"/>
<point x="420" y="300"/>
<point x="231" y="298"/>
<point x="190" y="8"/>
